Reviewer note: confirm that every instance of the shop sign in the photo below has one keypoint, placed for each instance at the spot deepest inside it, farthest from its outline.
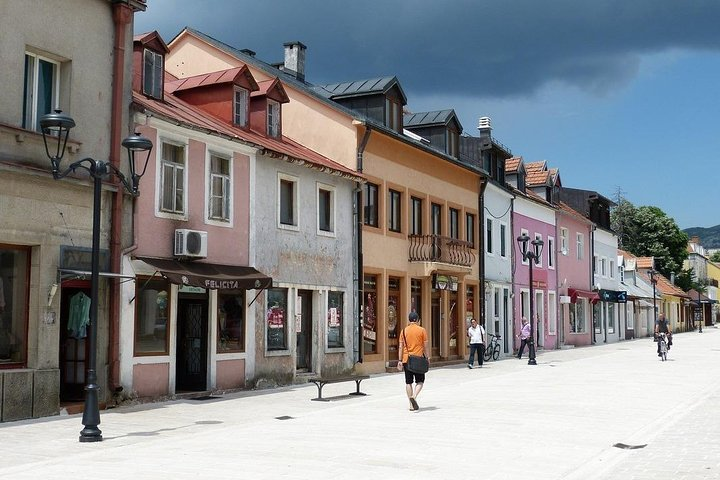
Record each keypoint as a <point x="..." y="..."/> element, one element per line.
<point x="79" y="258"/>
<point x="613" y="296"/>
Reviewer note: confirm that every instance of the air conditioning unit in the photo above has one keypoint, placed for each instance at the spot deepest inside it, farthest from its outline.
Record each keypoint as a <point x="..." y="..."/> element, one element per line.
<point x="190" y="243"/>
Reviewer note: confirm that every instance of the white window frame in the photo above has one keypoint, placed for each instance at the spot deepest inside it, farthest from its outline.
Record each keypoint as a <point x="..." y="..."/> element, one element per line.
<point x="552" y="313"/>
<point x="489" y="230"/>
<point x="273" y="118"/>
<point x="331" y="189"/>
<point x="580" y="244"/>
<point x="612" y="269"/>
<point x="630" y="316"/>
<point x="551" y="253"/>
<point x="564" y="248"/>
<point x="524" y="305"/>
<point x="31" y="118"/>
<point x="581" y="304"/>
<point x="228" y="184"/>
<point x="295" y="226"/>
<point x="156" y="89"/>
<point x="503" y="240"/>
<point x="539" y="308"/>
<point x="608" y="309"/>
<point x="240" y="118"/>
<point x="603" y="266"/>
<point x="160" y="177"/>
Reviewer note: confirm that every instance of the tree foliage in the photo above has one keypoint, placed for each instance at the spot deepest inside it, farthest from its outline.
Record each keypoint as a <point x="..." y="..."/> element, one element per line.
<point x="687" y="280"/>
<point x="715" y="257"/>
<point x="648" y="232"/>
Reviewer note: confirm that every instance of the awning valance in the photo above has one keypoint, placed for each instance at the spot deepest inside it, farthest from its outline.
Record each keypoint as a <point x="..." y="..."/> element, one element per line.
<point x="575" y="293"/>
<point x="209" y="275"/>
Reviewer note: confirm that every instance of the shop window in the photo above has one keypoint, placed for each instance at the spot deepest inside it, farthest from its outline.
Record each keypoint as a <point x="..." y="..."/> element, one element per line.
<point x="335" y="319"/>
<point x="14" y="278"/>
<point x="151" y="317"/>
<point x="369" y="315"/>
<point x="393" y="312"/>
<point x="416" y="296"/>
<point x="577" y="316"/>
<point x="231" y="321"/>
<point x="276" y="316"/>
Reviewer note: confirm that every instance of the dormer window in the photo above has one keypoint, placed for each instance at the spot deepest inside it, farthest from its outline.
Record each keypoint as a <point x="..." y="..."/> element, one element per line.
<point x="240" y="107"/>
<point x="393" y="114"/>
<point x="273" y="118"/>
<point x="451" y="142"/>
<point x="153" y="70"/>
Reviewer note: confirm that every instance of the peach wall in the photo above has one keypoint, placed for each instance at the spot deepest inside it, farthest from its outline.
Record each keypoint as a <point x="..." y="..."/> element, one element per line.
<point x="151" y="380"/>
<point x="230" y="374"/>
<point x="155" y="234"/>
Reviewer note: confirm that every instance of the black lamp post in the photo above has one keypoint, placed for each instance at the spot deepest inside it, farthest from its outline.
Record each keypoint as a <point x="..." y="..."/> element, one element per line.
<point x="56" y="128"/>
<point x="531" y="256"/>
<point x="653" y="280"/>
<point x="700" y="312"/>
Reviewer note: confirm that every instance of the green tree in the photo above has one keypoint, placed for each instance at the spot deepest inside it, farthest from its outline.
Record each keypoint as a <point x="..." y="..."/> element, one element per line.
<point x="687" y="280"/>
<point x="648" y="232"/>
<point x="715" y="257"/>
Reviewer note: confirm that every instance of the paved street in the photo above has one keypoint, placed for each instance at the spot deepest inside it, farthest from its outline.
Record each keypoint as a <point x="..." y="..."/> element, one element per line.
<point x="557" y="420"/>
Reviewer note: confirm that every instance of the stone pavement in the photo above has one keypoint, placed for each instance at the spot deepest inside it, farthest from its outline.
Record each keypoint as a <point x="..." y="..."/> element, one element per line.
<point x="508" y="420"/>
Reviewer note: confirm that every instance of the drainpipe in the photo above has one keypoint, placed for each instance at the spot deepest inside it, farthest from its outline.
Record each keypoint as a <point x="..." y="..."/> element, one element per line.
<point x="122" y="16"/>
<point x="358" y="226"/>
<point x="481" y="249"/>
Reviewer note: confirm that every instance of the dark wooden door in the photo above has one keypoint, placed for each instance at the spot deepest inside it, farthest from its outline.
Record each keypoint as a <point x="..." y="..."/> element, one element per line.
<point x="192" y="345"/>
<point x="304" y="335"/>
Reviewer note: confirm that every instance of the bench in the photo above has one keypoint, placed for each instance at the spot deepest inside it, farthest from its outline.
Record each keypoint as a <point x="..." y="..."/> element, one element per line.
<point x="320" y="382"/>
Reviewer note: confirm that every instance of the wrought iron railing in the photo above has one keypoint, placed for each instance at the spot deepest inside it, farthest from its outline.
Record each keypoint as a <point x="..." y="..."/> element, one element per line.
<point x="435" y="248"/>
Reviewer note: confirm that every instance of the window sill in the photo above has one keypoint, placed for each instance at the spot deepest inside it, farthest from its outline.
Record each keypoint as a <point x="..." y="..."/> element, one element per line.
<point x="290" y="228"/>
<point x="277" y="353"/>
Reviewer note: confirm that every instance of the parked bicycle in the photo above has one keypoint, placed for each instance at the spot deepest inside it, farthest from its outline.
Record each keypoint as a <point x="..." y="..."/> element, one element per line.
<point x="493" y="349"/>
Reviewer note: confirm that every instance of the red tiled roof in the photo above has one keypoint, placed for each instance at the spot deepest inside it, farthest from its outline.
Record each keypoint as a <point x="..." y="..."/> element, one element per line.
<point x="214" y="78"/>
<point x="566" y="209"/>
<point x="266" y="85"/>
<point x="645" y="262"/>
<point x="175" y="109"/>
<point x="536" y="166"/>
<point x="512" y="164"/>
<point x="536" y="177"/>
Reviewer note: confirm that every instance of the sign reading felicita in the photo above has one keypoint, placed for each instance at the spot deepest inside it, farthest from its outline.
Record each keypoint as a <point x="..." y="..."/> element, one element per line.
<point x="613" y="296"/>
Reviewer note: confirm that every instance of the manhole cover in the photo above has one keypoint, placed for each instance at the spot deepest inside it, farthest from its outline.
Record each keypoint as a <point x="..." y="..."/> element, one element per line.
<point x="629" y="447"/>
<point x="284" y="417"/>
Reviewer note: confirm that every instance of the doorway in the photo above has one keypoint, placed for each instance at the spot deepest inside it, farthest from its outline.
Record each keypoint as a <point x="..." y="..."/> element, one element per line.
<point x="303" y="330"/>
<point x="192" y="344"/>
<point x="74" y="345"/>
<point x="435" y="315"/>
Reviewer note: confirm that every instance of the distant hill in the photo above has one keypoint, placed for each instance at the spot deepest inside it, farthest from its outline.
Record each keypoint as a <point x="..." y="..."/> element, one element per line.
<point x="709" y="237"/>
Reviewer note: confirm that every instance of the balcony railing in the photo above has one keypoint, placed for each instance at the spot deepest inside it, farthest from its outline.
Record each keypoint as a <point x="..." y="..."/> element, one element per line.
<point x="434" y="248"/>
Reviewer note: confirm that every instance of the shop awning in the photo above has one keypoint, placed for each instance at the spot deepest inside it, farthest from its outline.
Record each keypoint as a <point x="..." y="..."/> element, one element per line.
<point x="643" y="303"/>
<point x="209" y="275"/>
<point x="575" y="293"/>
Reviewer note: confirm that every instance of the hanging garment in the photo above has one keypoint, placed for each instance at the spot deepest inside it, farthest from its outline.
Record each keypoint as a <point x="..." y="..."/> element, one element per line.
<point x="79" y="315"/>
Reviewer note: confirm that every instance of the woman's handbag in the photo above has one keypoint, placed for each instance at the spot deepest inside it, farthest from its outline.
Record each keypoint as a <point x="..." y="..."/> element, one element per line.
<point x="416" y="363"/>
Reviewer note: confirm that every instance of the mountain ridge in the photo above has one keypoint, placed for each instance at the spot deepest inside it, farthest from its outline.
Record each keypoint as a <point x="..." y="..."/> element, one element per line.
<point x="709" y="236"/>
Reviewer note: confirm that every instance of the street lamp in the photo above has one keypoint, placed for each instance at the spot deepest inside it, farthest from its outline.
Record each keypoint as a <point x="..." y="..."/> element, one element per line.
<point x="700" y="319"/>
<point x="531" y="256"/>
<point x="653" y="273"/>
<point x="55" y="130"/>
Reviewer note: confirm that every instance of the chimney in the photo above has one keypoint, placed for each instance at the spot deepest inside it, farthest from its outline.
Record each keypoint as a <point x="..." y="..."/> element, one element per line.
<point x="295" y="59"/>
<point x="484" y="127"/>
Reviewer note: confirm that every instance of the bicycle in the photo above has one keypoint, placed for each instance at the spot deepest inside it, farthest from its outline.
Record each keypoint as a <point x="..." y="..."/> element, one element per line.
<point x="493" y="350"/>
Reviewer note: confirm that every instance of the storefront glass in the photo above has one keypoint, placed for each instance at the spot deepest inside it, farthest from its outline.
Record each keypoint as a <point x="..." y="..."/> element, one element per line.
<point x="335" y="319"/>
<point x="231" y="321"/>
<point x="14" y="278"/>
<point x="151" y="317"/>
<point x="393" y="316"/>
<point x="369" y="315"/>
<point x="276" y="319"/>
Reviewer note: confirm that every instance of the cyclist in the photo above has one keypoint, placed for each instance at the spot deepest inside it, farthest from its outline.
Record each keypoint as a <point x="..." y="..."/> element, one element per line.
<point x="663" y="326"/>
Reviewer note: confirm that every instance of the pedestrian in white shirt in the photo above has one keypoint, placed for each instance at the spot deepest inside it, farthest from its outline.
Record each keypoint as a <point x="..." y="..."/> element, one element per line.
<point x="476" y="333"/>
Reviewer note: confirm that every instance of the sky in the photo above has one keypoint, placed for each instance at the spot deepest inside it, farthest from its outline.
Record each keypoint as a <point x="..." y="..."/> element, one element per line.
<point x="619" y="95"/>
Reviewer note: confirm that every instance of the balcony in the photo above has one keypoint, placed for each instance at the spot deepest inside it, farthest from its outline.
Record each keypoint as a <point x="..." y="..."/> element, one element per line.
<point x="457" y="254"/>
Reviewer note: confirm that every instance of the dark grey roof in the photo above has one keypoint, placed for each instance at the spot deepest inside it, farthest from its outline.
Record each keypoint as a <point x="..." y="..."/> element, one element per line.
<point x="426" y="119"/>
<point x="357" y="88"/>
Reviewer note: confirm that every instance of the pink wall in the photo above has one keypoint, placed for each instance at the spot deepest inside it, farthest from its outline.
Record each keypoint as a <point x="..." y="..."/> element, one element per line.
<point x="230" y="374"/>
<point x="155" y="235"/>
<point x="544" y="279"/>
<point x="151" y="380"/>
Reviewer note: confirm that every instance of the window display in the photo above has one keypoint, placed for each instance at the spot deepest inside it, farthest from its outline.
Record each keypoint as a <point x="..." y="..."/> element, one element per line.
<point x="276" y="319"/>
<point x="231" y="321"/>
<point x="151" y="317"/>
<point x="369" y="317"/>
<point x="335" y="319"/>
<point x="14" y="278"/>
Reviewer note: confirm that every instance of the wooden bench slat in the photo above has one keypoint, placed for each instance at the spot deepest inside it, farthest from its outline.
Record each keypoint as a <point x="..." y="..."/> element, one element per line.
<point x="320" y="382"/>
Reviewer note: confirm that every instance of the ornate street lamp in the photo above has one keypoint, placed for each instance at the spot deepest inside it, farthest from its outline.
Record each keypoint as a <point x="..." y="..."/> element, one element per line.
<point x="55" y="130"/>
<point x="531" y="256"/>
